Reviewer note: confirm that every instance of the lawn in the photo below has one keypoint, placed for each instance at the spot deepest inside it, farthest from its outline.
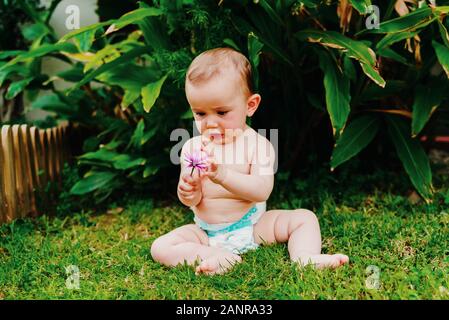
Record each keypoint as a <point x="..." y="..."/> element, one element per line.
<point x="408" y="244"/>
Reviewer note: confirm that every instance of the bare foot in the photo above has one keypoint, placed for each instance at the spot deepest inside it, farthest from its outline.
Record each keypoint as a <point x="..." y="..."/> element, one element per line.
<point x="218" y="264"/>
<point x="321" y="261"/>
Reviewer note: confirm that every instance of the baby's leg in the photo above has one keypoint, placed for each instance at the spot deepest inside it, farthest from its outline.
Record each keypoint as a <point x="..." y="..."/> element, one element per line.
<point x="189" y="243"/>
<point x="302" y="231"/>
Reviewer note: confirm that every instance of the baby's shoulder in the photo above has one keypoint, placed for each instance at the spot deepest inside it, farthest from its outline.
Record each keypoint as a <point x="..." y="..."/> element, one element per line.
<point x="258" y="138"/>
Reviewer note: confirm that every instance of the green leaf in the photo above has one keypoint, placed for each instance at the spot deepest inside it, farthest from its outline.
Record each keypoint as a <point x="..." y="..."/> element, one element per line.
<point x="232" y="44"/>
<point x="41" y="51"/>
<point x="52" y="102"/>
<point x="150" y="170"/>
<point x="357" y="135"/>
<point x="151" y="92"/>
<point x="17" y="87"/>
<point x="444" y="33"/>
<point x="93" y="181"/>
<point x="412" y="155"/>
<point x="352" y="48"/>
<point x="391" y="54"/>
<point x="427" y="99"/>
<point x="125" y="161"/>
<point x="126" y="57"/>
<point x="133" y="17"/>
<point x="392" y="38"/>
<point x="102" y="154"/>
<point x="10" y="53"/>
<point x="337" y="93"/>
<point x="84" y="40"/>
<point x="271" y="12"/>
<point x="88" y="29"/>
<point x="130" y="76"/>
<point x="442" y="53"/>
<point x="6" y="72"/>
<point x="129" y="97"/>
<point x="34" y="31"/>
<point x="254" y="50"/>
<point x="410" y="22"/>
<point x="361" y="5"/>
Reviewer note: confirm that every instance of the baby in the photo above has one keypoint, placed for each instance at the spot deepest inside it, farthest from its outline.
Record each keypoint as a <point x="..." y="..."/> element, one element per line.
<point x="235" y="176"/>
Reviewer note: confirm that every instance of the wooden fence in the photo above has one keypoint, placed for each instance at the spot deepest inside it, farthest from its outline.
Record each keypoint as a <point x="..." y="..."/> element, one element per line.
<point x="30" y="158"/>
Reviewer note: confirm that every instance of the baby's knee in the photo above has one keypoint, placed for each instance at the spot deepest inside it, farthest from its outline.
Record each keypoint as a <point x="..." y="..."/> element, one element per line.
<point x="307" y="215"/>
<point x="159" y="249"/>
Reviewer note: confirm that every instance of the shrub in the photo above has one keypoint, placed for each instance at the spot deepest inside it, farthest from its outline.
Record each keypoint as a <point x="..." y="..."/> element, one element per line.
<point x="324" y="77"/>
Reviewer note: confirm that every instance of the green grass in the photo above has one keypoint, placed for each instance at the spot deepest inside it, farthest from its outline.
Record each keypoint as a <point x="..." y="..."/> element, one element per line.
<point x="408" y="243"/>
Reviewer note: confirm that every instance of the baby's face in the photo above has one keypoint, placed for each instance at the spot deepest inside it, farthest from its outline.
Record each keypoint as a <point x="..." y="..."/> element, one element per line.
<point x="219" y="108"/>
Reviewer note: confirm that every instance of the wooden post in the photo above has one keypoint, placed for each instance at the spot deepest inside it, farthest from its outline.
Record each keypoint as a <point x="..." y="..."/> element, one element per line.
<point x="51" y="154"/>
<point x="29" y="167"/>
<point x="8" y="173"/>
<point x="58" y="155"/>
<point x="35" y="149"/>
<point x="45" y="176"/>
<point x="3" y="204"/>
<point x="23" y="195"/>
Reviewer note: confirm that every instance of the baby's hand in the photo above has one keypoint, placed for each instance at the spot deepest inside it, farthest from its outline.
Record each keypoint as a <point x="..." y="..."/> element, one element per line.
<point x="189" y="186"/>
<point x="215" y="171"/>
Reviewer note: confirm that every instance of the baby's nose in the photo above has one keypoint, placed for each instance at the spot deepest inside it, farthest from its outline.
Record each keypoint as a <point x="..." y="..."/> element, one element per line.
<point x="211" y="122"/>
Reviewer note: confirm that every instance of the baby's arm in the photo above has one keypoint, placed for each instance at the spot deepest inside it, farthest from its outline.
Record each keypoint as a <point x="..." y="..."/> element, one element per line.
<point x="257" y="185"/>
<point x="189" y="187"/>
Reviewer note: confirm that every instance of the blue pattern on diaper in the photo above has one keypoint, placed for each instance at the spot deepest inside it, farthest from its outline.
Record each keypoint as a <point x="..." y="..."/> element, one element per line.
<point x="234" y="236"/>
<point x="245" y="221"/>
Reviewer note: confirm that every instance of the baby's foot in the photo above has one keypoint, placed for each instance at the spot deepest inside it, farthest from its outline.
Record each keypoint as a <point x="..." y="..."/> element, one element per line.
<point x="321" y="261"/>
<point x="218" y="264"/>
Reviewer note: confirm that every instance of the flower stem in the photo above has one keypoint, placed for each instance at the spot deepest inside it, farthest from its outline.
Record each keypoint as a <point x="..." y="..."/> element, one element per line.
<point x="193" y="168"/>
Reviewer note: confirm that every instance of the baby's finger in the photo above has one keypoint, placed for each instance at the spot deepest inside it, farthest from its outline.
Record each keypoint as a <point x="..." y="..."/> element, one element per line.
<point x="186" y="188"/>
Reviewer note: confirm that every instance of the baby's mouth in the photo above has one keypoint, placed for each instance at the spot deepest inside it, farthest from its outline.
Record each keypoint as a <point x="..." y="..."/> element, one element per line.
<point x="216" y="136"/>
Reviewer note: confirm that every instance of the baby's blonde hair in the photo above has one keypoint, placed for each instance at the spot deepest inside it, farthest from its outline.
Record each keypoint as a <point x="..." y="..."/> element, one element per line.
<point x="212" y="63"/>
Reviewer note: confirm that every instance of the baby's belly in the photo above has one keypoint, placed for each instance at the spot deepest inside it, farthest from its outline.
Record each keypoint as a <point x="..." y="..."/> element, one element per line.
<point x="221" y="210"/>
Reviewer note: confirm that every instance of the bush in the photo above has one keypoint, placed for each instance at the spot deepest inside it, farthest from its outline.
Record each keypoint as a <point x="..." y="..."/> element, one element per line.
<point x="329" y="84"/>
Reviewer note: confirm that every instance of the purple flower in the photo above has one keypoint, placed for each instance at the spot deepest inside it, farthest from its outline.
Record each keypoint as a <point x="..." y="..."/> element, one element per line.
<point x="196" y="159"/>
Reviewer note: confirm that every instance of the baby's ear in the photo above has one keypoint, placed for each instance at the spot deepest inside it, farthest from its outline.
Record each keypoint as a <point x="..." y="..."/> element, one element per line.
<point x="252" y="104"/>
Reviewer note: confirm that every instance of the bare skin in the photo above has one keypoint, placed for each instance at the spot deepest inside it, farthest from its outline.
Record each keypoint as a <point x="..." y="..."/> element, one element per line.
<point x="233" y="184"/>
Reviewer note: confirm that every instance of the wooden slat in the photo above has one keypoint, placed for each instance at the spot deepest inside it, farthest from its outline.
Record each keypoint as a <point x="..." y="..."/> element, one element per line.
<point x="45" y="176"/>
<point x="23" y="195"/>
<point x="29" y="167"/>
<point x="24" y="152"/>
<point x="58" y="155"/>
<point x="35" y="149"/>
<point x="3" y="205"/>
<point x="8" y="173"/>
<point x="51" y="154"/>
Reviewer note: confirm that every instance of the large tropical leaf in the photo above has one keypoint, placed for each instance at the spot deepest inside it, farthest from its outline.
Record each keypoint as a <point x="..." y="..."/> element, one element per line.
<point x="125" y="58"/>
<point x="357" y="135"/>
<point x="412" y="155"/>
<point x="361" y="5"/>
<point x="133" y="17"/>
<point x="354" y="49"/>
<point x="410" y="22"/>
<point x="16" y="87"/>
<point x="93" y="181"/>
<point x="151" y="92"/>
<point x="41" y="51"/>
<point x="254" y="50"/>
<point x="336" y="85"/>
<point x="427" y="99"/>
<point x="442" y="53"/>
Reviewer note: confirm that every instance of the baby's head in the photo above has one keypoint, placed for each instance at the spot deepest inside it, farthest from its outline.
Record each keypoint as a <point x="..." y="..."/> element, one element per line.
<point x="219" y="91"/>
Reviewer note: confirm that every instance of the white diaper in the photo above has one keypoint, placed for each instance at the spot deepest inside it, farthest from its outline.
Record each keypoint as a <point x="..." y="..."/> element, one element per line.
<point x="237" y="236"/>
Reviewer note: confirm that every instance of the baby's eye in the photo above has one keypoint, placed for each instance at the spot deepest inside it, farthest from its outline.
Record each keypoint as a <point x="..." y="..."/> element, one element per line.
<point x="222" y="113"/>
<point x="200" y="114"/>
